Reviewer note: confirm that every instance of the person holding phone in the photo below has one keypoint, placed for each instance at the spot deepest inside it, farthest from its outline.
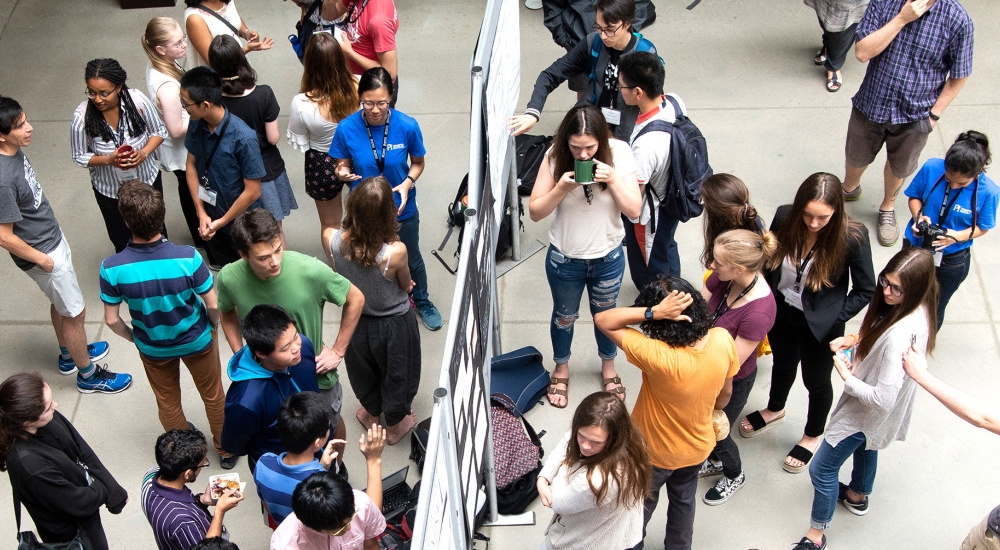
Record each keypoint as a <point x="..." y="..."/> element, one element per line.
<point x="586" y="181"/>
<point x="952" y="201"/>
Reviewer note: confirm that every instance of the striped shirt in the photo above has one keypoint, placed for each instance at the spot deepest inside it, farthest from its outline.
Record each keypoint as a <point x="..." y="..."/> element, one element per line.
<point x="276" y="481"/>
<point x="107" y="179"/>
<point x="178" y="520"/>
<point x="904" y="81"/>
<point x="160" y="282"/>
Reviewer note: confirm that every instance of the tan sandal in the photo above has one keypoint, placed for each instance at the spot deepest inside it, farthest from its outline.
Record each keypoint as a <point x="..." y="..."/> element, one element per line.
<point x="619" y="390"/>
<point x="553" y="390"/>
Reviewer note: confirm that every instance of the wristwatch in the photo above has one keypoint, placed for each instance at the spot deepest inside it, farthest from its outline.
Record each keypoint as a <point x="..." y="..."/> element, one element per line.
<point x="649" y="313"/>
<point x="934" y="117"/>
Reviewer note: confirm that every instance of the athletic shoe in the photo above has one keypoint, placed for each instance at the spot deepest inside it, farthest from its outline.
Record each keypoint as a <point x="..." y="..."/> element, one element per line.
<point x="229" y="463"/>
<point x="851" y="196"/>
<point x="103" y="381"/>
<point x="429" y="315"/>
<point x="888" y="231"/>
<point x="533" y="4"/>
<point x="724" y="489"/>
<point x="806" y="544"/>
<point x="710" y="468"/>
<point x="96" y="351"/>
<point x="856" y="508"/>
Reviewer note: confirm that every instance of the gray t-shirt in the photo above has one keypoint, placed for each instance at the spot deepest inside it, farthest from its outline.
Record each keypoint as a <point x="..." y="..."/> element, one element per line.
<point x="23" y="204"/>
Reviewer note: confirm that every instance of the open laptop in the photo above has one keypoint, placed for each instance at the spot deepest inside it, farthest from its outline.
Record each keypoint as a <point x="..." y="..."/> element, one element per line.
<point x="396" y="494"/>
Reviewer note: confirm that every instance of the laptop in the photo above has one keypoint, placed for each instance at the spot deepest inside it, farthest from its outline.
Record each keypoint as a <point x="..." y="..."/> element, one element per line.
<point x="396" y="494"/>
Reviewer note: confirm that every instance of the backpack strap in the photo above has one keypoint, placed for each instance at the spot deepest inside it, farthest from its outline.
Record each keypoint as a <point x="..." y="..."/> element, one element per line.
<point x="677" y="108"/>
<point x="658" y="125"/>
<point x="595" y="54"/>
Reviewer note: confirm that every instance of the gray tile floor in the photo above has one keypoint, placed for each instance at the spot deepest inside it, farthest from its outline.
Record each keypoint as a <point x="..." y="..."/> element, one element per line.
<point x="746" y="73"/>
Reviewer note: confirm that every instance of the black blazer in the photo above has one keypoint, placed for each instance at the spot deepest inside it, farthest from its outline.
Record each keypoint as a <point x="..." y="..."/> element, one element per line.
<point x="831" y="306"/>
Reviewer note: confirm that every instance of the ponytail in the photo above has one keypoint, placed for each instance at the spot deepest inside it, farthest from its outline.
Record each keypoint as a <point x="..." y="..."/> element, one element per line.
<point x="969" y="155"/>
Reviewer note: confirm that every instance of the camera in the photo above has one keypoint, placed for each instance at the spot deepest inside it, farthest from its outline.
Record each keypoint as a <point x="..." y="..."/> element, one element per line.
<point x="929" y="232"/>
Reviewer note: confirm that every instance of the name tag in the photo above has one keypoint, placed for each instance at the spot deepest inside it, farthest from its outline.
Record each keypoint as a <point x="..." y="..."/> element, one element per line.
<point x="793" y="298"/>
<point x="207" y="196"/>
<point x="938" y="256"/>
<point x="126" y="175"/>
<point x="613" y="116"/>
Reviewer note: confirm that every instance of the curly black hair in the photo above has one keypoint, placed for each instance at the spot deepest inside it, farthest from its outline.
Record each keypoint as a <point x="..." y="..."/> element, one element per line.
<point x="675" y="333"/>
<point x="94" y="123"/>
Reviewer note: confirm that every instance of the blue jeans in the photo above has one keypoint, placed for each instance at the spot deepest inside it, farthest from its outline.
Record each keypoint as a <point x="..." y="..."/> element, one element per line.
<point x="409" y="234"/>
<point x="602" y="277"/>
<point x="950" y="274"/>
<point x="825" y="469"/>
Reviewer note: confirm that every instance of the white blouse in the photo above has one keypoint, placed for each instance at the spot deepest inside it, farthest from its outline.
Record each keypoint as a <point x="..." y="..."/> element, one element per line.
<point x="173" y="155"/>
<point x="307" y="129"/>
<point x="215" y="26"/>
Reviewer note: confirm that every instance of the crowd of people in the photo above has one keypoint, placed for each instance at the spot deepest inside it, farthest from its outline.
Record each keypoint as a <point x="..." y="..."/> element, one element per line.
<point x="787" y="288"/>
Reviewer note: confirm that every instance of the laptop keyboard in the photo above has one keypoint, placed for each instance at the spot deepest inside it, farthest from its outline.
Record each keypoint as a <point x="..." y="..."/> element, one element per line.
<point x="395" y="498"/>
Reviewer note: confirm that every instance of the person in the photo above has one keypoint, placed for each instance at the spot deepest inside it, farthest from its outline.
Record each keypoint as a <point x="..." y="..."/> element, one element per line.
<point x="215" y="543"/>
<point x="596" y="478"/>
<point x="838" y="19"/>
<point x="687" y="372"/>
<point x="328" y="94"/>
<point x="383" y="358"/>
<point x="986" y="534"/>
<point x="256" y="105"/>
<point x="224" y="167"/>
<point x="215" y="18"/>
<point x="727" y="206"/>
<point x="304" y="428"/>
<point x="743" y="304"/>
<point x="569" y="21"/>
<point x="30" y="233"/>
<point x="368" y="39"/>
<point x="969" y="214"/>
<point x="585" y="235"/>
<point x="917" y="67"/>
<point x="112" y="118"/>
<point x="822" y="276"/>
<point x="179" y="518"/>
<point x="399" y="159"/>
<point x="878" y="397"/>
<point x="42" y="454"/>
<point x="650" y="243"/>
<point x="612" y="38"/>
<point x="302" y="285"/>
<point x="172" y="304"/>
<point x="165" y="48"/>
<point x="276" y="363"/>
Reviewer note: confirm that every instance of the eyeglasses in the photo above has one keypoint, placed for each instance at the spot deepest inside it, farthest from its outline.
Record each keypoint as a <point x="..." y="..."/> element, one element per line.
<point x="185" y="105"/>
<point x="205" y="465"/>
<point x="893" y="289"/>
<point x="179" y="43"/>
<point x="369" y="105"/>
<point x="608" y="32"/>
<point x="624" y="87"/>
<point x="347" y="525"/>
<point x="103" y="95"/>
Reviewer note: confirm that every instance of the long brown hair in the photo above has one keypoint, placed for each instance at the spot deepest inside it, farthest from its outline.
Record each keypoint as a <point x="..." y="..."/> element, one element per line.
<point x="158" y="32"/>
<point x="581" y="120"/>
<point x="624" y="457"/>
<point x="325" y="78"/>
<point x="915" y="269"/>
<point x="21" y="401"/>
<point x="369" y="221"/>
<point x="833" y="241"/>
<point x="727" y="206"/>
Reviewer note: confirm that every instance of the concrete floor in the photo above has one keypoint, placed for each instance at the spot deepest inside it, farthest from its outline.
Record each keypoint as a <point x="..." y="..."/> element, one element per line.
<point x="744" y="70"/>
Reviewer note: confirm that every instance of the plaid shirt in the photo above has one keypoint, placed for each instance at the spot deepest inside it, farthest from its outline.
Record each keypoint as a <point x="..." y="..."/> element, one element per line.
<point x="903" y="82"/>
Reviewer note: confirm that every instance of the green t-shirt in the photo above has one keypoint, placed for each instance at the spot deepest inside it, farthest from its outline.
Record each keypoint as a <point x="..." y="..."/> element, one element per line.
<point x="304" y="285"/>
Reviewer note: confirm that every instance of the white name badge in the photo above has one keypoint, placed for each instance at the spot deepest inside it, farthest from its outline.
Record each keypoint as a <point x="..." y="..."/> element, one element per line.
<point x="126" y="175"/>
<point x="207" y="196"/>
<point x="793" y="298"/>
<point x="613" y="116"/>
<point x="938" y="256"/>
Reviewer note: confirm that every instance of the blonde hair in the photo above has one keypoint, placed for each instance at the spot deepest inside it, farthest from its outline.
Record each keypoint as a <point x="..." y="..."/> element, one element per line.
<point x="746" y="249"/>
<point x="158" y="32"/>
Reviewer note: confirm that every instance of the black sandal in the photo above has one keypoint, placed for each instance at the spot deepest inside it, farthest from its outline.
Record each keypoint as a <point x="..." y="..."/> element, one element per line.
<point x="758" y="424"/>
<point x="801" y="454"/>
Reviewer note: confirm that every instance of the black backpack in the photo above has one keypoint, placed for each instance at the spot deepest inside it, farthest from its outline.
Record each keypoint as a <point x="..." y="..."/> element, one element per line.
<point x="456" y="218"/>
<point x="530" y="152"/>
<point x="688" y="165"/>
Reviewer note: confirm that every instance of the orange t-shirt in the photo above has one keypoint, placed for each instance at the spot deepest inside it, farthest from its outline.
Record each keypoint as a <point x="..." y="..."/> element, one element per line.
<point x="679" y="389"/>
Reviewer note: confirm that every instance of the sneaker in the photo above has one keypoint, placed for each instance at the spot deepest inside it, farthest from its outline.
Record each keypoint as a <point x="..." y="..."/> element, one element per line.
<point x="888" y="232"/>
<point x="806" y="544"/>
<point x="429" y="315"/>
<point x="710" y="468"/>
<point x="96" y="351"/>
<point x="103" y="381"/>
<point x="533" y="4"/>
<point x="228" y="463"/>
<point x="856" y="508"/>
<point x="851" y="196"/>
<point x="724" y="489"/>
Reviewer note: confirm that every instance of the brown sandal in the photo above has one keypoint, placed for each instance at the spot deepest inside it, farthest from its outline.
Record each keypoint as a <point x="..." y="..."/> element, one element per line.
<point x="553" y="390"/>
<point x="619" y="390"/>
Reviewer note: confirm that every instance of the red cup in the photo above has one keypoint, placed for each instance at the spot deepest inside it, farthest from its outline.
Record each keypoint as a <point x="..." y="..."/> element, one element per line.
<point x="124" y="152"/>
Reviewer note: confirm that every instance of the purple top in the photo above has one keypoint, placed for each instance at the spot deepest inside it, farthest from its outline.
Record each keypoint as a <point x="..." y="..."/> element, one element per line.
<point x="752" y="320"/>
<point x="178" y="520"/>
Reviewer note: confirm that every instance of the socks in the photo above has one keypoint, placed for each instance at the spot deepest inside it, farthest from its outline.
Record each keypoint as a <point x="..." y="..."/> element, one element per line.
<point x="88" y="371"/>
<point x="64" y="354"/>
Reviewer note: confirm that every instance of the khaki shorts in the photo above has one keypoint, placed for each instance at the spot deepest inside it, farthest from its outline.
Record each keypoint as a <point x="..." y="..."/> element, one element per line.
<point x="335" y="397"/>
<point x="903" y="143"/>
<point x="981" y="538"/>
<point x="60" y="286"/>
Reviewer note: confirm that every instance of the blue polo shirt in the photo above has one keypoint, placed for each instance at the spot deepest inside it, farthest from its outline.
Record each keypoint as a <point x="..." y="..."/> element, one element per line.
<point x="929" y="186"/>
<point x="237" y="158"/>
<point x="350" y="141"/>
<point x="160" y="282"/>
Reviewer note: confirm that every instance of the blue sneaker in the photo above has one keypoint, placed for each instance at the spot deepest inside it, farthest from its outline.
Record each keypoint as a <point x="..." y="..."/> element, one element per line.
<point x="429" y="315"/>
<point x="96" y="351"/>
<point x="103" y="381"/>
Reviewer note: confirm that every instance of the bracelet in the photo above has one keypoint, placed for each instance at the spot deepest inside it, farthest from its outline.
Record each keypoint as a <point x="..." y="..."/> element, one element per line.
<point x="409" y="177"/>
<point x="934" y="117"/>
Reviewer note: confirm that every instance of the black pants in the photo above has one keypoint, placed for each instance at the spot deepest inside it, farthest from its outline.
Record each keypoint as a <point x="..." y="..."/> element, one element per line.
<point x="118" y="232"/>
<point x="664" y="258"/>
<point x="726" y="450"/>
<point x="792" y="341"/>
<point x="220" y="249"/>
<point x="682" y="486"/>
<point x="383" y="364"/>
<point x="837" y="45"/>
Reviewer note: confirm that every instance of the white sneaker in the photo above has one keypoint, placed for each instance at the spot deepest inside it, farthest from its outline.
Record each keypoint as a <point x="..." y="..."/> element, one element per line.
<point x="533" y="4"/>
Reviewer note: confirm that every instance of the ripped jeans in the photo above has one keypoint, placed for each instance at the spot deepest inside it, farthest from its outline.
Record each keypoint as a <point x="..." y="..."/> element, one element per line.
<point x="602" y="277"/>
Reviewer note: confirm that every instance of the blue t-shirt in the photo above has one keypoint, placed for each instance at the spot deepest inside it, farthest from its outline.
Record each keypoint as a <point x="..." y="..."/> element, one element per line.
<point x="350" y="141"/>
<point x="276" y="481"/>
<point x="929" y="186"/>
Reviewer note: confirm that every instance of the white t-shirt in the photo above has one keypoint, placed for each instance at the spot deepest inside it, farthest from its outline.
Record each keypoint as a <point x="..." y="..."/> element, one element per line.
<point x="307" y="129"/>
<point x="173" y="155"/>
<point x="587" y="231"/>
<point x="652" y="150"/>
<point x="215" y="26"/>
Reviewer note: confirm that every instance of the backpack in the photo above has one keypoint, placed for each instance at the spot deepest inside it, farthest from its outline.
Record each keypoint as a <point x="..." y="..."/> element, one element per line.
<point x="306" y="28"/>
<point x="643" y="45"/>
<point x="530" y="152"/>
<point x="519" y="374"/>
<point x="688" y="165"/>
<point x="456" y="218"/>
<point x="517" y="454"/>
<point x="398" y="533"/>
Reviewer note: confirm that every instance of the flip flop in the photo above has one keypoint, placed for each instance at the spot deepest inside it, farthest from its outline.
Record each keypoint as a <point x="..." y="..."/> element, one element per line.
<point x="619" y="390"/>
<point x="553" y="390"/>
<point x="799" y="453"/>
<point x="758" y="424"/>
<point x="820" y="57"/>
<point x="833" y="83"/>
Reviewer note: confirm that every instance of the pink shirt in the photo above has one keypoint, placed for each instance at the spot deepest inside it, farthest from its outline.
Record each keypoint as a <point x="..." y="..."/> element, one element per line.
<point x="368" y="524"/>
<point x="374" y="31"/>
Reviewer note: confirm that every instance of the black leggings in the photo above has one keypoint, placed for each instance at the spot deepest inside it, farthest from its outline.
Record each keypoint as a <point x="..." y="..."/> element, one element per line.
<point x="118" y="232"/>
<point x="792" y="341"/>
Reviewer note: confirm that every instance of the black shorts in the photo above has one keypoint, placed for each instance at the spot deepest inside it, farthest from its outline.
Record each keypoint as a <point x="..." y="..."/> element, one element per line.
<point x="321" y="176"/>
